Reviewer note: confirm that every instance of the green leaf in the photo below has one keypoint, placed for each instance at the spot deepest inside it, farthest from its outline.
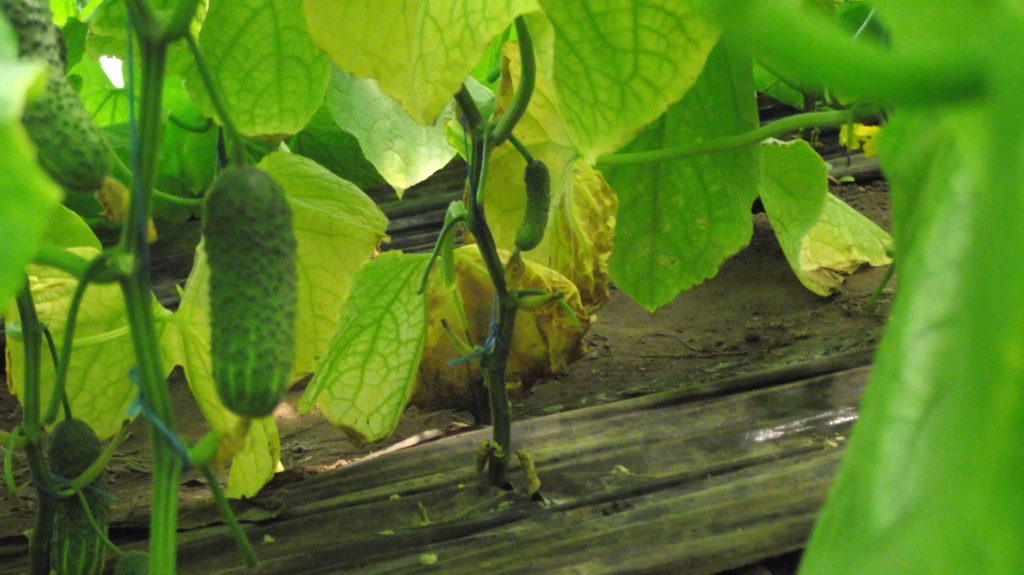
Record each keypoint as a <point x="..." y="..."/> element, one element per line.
<point x="420" y="52"/>
<point x="98" y="386"/>
<point x="930" y="482"/>
<point x="619" y="64"/>
<point x="338" y="228"/>
<point x="823" y="238"/>
<point x="271" y="76"/>
<point x="107" y="103"/>
<point x="29" y="195"/>
<point x="773" y="86"/>
<point x="67" y="229"/>
<point x="679" y="220"/>
<point x="368" y="374"/>
<point x="404" y="152"/>
<point x="335" y="149"/>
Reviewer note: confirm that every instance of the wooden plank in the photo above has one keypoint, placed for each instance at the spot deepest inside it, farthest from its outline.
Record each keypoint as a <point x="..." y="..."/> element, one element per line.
<point x="696" y="480"/>
<point x="673" y="483"/>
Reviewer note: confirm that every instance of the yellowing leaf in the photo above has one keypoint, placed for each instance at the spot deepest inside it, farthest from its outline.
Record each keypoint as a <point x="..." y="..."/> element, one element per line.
<point x="544" y="341"/>
<point x="98" y="386"/>
<point x="363" y="382"/>
<point x="419" y="51"/>
<point x="338" y="228"/>
<point x="823" y="238"/>
<point x="842" y="241"/>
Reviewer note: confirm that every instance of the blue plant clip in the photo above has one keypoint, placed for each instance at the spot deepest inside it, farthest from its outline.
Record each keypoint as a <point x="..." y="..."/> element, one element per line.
<point x="140" y="405"/>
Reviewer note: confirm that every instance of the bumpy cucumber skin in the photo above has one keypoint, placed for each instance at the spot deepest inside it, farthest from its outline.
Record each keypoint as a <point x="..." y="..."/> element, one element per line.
<point x="538" y="200"/>
<point x="251" y="250"/>
<point x="71" y="147"/>
<point x="76" y="548"/>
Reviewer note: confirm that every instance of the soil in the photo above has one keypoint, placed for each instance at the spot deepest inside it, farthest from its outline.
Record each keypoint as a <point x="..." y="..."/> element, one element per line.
<point x="752" y="316"/>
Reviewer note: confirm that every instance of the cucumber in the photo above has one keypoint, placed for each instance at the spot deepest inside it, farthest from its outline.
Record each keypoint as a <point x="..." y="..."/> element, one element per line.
<point x="251" y="250"/>
<point x="538" y="200"/>
<point x="77" y="549"/>
<point x="71" y="147"/>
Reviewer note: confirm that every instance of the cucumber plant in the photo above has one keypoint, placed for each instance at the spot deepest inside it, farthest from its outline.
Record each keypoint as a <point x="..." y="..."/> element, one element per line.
<point x="666" y="112"/>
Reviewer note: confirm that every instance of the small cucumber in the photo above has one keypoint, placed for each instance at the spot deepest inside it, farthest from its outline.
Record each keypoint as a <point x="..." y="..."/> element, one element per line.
<point x="77" y="549"/>
<point x="251" y="249"/>
<point x="538" y="200"/>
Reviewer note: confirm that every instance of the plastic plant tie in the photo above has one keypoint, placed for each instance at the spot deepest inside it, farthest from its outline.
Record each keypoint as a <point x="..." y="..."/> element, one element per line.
<point x="140" y="405"/>
<point x="489" y="343"/>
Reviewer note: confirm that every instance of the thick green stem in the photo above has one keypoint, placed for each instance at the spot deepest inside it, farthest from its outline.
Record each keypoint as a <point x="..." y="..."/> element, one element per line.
<point x="494" y="360"/>
<point x="527" y="80"/>
<point x="139" y="304"/>
<point x="32" y="339"/>
<point x="815" y="50"/>
<point x="776" y="128"/>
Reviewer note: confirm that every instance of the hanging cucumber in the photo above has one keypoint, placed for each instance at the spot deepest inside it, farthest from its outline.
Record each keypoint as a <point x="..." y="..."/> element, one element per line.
<point x="71" y="147"/>
<point x="77" y="548"/>
<point x="538" y="200"/>
<point x="251" y="248"/>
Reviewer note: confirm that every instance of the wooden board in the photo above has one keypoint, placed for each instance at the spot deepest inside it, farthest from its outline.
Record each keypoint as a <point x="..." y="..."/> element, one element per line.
<point x="698" y="480"/>
<point x="692" y="481"/>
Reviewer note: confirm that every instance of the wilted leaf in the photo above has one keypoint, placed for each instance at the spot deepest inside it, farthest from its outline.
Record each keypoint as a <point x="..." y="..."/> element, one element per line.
<point x="544" y="341"/>
<point x="823" y="238"/>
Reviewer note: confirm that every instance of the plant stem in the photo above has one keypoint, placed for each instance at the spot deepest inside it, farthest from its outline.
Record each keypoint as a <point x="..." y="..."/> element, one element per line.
<point x="527" y="80"/>
<point x="32" y="337"/>
<point x="237" y="147"/>
<point x="776" y="128"/>
<point x="817" y="51"/>
<point x="62" y="259"/>
<point x="138" y="301"/>
<point x="493" y="362"/>
<point x="237" y="532"/>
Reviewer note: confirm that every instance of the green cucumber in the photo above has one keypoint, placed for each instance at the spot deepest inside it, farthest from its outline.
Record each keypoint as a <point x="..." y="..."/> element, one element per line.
<point x="71" y="147"/>
<point x="538" y="200"/>
<point x="251" y="250"/>
<point x="77" y="549"/>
